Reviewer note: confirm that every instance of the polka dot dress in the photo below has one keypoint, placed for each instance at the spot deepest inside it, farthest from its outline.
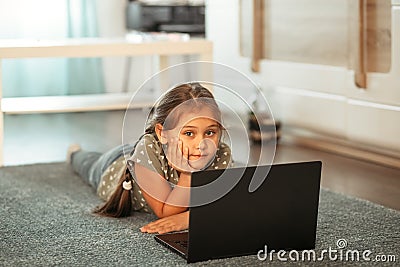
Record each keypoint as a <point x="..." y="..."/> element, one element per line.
<point x="149" y="154"/>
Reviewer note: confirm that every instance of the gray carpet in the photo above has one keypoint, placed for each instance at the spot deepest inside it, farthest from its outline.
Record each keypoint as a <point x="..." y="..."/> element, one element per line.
<point x="46" y="220"/>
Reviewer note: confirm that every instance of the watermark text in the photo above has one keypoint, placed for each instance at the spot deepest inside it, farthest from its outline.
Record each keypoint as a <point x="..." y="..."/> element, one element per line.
<point x="339" y="253"/>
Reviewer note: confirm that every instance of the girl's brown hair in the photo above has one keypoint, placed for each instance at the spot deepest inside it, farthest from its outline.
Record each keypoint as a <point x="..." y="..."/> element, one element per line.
<point x="189" y="93"/>
<point x="120" y="202"/>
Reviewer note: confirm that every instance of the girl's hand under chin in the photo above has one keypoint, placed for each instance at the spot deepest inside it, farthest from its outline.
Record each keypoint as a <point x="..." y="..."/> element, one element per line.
<point x="176" y="222"/>
<point x="178" y="156"/>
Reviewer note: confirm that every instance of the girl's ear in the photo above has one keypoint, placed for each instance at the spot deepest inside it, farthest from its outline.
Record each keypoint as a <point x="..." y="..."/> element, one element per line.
<point x="160" y="133"/>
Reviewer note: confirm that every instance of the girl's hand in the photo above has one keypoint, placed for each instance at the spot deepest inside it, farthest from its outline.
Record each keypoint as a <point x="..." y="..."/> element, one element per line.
<point x="178" y="156"/>
<point x="176" y="222"/>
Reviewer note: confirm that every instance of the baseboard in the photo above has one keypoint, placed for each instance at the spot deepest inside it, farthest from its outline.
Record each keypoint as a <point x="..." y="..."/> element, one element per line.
<point x="342" y="147"/>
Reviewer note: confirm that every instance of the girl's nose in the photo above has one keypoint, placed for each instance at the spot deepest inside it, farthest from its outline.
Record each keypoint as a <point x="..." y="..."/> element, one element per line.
<point x="202" y="145"/>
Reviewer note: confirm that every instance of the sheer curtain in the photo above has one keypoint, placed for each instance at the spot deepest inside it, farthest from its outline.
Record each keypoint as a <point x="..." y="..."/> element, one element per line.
<point x="48" y="19"/>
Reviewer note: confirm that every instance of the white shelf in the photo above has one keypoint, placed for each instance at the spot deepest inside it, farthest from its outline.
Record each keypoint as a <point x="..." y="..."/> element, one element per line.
<point x="89" y="47"/>
<point x="71" y="103"/>
<point x="100" y="47"/>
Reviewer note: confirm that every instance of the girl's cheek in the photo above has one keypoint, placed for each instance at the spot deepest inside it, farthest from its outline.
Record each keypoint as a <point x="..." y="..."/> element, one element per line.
<point x="211" y="150"/>
<point x="215" y="143"/>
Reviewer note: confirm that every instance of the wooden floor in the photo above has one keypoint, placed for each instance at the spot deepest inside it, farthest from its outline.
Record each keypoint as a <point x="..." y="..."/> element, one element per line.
<point x="349" y="176"/>
<point x="45" y="137"/>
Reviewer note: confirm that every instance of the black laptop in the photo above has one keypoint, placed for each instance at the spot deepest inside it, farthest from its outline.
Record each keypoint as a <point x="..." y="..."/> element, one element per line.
<point x="280" y="213"/>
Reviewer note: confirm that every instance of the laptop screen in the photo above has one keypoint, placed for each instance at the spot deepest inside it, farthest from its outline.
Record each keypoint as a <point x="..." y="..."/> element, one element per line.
<point x="281" y="213"/>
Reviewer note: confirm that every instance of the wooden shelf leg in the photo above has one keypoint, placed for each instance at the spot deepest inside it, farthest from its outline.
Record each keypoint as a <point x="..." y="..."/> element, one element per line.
<point x="360" y="77"/>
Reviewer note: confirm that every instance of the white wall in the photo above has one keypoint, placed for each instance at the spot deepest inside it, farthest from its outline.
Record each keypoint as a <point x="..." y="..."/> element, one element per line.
<point x="319" y="98"/>
<point x="222" y="27"/>
<point x="112" y="24"/>
<point x="33" y="19"/>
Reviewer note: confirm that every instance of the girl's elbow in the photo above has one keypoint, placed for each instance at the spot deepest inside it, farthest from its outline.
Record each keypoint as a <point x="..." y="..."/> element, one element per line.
<point x="160" y="215"/>
<point x="168" y="211"/>
<point x="165" y="211"/>
<point x="162" y="212"/>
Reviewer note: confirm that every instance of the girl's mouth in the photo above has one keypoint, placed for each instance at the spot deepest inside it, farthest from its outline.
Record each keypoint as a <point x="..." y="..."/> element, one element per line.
<point x="196" y="157"/>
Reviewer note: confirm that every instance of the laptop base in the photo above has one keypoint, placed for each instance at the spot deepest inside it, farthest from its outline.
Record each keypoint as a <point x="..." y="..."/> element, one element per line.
<point x="178" y="242"/>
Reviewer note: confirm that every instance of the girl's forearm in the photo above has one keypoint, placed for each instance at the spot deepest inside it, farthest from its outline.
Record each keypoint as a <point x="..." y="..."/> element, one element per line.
<point x="179" y="195"/>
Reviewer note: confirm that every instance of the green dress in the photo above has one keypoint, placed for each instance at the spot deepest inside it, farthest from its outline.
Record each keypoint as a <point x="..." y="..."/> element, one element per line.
<point x="149" y="153"/>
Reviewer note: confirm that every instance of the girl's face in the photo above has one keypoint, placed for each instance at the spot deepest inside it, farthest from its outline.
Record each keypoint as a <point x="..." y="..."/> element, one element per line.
<point x="196" y="136"/>
<point x="200" y="138"/>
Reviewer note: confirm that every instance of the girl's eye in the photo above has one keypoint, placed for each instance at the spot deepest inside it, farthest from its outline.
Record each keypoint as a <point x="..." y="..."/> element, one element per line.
<point x="188" y="133"/>
<point x="210" y="133"/>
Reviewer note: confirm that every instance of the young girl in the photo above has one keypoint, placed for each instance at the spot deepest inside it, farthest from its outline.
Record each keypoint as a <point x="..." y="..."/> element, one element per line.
<point x="183" y="134"/>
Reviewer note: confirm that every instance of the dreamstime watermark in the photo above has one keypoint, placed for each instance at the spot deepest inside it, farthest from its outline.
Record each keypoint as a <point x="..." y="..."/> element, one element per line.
<point x="339" y="253"/>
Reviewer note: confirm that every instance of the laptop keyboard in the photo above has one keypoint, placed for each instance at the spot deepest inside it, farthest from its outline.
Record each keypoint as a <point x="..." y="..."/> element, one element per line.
<point x="182" y="243"/>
